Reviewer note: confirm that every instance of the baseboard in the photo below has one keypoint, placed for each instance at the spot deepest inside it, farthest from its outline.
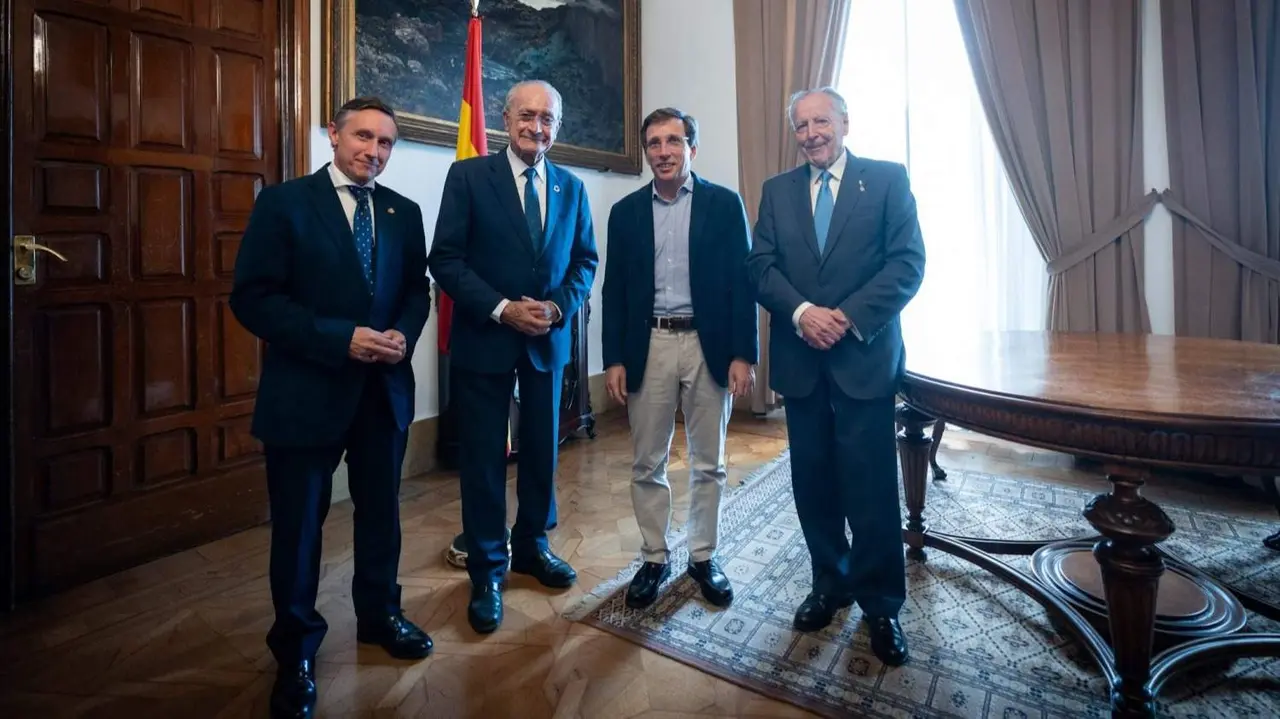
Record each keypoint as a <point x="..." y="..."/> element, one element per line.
<point x="601" y="402"/>
<point x="419" y="456"/>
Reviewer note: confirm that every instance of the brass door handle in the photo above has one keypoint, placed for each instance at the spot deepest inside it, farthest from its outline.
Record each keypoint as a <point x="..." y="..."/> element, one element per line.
<point x="24" y="242"/>
<point x="25" y="249"/>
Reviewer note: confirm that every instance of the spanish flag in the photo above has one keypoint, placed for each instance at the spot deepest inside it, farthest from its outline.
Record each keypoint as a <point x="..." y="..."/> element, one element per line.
<point x="471" y="143"/>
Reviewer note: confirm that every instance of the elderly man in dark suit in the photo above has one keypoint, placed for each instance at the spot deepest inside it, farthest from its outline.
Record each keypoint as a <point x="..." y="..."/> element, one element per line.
<point x="331" y="274"/>
<point x="679" y="327"/>
<point x="515" y="249"/>
<point x="838" y="254"/>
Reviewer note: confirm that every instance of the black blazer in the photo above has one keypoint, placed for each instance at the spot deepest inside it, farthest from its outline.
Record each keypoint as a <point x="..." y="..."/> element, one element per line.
<point x="482" y="253"/>
<point x="299" y="287"/>
<point x="723" y="304"/>
<point x="872" y="267"/>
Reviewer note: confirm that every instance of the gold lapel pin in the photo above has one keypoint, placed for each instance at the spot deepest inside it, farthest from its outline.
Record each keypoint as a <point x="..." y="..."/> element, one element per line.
<point x="391" y="210"/>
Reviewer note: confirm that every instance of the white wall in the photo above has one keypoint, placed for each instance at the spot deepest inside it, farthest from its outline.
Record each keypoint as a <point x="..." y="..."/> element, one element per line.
<point x="687" y="61"/>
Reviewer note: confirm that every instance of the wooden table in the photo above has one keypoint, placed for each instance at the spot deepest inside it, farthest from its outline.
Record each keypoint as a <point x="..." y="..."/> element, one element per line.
<point x="1134" y="403"/>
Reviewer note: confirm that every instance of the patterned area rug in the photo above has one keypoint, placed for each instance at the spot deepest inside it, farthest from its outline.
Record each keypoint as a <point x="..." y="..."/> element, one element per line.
<point x="979" y="647"/>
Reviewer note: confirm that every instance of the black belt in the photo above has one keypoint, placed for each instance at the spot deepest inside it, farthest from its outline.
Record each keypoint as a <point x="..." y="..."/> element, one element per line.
<point x="673" y="323"/>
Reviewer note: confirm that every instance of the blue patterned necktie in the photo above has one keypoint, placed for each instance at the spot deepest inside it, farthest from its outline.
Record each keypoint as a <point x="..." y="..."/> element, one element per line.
<point x="362" y="230"/>
<point x="822" y="211"/>
<point x="532" y="213"/>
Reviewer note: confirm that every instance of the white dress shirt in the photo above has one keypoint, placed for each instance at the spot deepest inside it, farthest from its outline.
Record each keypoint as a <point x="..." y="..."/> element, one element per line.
<point x="348" y="200"/>
<point x="815" y="185"/>
<point x="518" y="166"/>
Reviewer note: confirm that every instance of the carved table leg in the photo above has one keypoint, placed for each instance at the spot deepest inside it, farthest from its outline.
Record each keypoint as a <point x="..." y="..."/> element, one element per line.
<point x="1272" y="489"/>
<point x="913" y="451"/>
<point x="1131" y="526"/>
<point x="938" y="428"/>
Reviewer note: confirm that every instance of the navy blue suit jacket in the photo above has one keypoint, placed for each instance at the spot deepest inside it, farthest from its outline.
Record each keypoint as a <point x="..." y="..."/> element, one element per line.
<point x="482" y="253"/>
<point x="299" y="287"/>
<point x="723" y="302"/>
<point x="872" y="267"/>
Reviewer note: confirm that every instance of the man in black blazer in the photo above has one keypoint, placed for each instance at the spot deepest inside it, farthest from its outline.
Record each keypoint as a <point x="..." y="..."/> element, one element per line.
<point x="331" y="275"/>
<point x="515" y="249"/>
<point x="679" y="327"/>
<point x="837" y="255"/>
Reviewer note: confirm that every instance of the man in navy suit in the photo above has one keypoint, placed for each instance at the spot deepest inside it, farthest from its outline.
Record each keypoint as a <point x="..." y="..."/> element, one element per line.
<point x="515" y="249"/>
<point x="837" y="255"/>
<point x="679" y="327"/>
<point x="331" y="275"/>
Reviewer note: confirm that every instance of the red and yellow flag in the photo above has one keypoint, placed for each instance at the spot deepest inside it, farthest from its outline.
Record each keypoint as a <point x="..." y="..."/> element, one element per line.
<point x="472" y="142"/>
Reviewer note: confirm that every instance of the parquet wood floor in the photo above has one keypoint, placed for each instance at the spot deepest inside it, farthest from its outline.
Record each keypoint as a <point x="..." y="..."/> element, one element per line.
<point x="183" y="636"/>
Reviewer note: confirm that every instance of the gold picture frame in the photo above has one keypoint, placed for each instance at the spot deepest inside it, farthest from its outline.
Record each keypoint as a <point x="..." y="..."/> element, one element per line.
<point x="616" y="137"/>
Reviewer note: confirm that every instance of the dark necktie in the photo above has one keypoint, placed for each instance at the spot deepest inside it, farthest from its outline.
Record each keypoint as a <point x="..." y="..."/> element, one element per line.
<point x="532" y="213"/>
<point x="362" y="230"/>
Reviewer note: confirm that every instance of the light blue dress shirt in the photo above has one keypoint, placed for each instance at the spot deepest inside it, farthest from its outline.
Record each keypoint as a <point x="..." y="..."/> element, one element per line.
<point x="671" y="294"/>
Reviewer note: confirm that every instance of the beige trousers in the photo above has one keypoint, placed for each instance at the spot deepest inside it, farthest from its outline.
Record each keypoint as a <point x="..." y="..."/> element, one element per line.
<point x="676" y="373"/>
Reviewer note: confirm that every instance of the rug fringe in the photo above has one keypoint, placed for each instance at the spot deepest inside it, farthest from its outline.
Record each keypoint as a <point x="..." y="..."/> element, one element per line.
<point x="580" y="608"/>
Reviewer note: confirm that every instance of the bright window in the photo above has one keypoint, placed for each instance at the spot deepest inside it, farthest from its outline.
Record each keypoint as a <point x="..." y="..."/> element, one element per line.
<point x="912" y="99"/>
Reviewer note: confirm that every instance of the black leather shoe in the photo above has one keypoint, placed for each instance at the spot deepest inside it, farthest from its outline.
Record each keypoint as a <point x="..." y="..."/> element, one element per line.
<point x="485" y="610"/>
<point x="887" y="640"/>
<point x="547" y="568"/>
<point x="294" y="694"/>
<point x="715" y="586"/>
<point x="397" y="635"/>
<point x="644" y="586"/>
<point x="817" y="610"/>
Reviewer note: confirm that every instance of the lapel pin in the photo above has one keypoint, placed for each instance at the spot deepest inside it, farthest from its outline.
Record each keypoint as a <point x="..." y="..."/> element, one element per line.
<point x="391" y="210"/>
<point x="861" y="186"/>
<point x="555" y="188"/>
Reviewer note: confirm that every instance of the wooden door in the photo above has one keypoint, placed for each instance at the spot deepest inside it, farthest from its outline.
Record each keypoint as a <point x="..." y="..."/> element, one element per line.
<point x="142" y="132"/>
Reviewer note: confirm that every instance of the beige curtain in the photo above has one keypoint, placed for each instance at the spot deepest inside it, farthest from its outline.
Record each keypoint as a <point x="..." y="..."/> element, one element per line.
<point x="1222" y="96"/>
<point x="782" y="46"/>
<point x="1059" y="81"/>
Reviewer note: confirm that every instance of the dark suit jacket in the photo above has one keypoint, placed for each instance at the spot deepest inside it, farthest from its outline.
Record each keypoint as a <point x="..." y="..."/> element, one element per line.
<point x="723" y="302"/>
<point x="299" y="287"/>
<point x="482" y="253"/>
<point x="872" y="267"/>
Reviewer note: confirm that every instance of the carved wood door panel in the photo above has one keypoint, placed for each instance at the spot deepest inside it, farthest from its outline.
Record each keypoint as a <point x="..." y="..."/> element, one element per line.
<point x="143" y="130"/>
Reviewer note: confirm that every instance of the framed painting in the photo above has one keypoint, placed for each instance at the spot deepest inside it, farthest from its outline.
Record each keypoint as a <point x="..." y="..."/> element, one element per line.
<point x="411" y="54"/>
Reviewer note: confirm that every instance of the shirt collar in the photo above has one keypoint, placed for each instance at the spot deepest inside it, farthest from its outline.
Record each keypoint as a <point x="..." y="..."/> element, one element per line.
<point x="518" y="166"/>
<point x="836" y="169"/>
<point x="340" y="178"/>
<point x="685" y="188"/>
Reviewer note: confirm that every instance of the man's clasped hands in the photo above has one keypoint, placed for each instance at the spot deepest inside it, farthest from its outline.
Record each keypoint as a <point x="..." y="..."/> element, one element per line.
<point x="822" y="327"/>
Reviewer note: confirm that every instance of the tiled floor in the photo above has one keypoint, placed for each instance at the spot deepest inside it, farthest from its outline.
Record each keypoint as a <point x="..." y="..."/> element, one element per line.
<point x="183" y="636"/>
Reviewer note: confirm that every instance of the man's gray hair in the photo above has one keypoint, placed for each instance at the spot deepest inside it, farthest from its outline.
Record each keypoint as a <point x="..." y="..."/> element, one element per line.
<point x="837" y="101"/>
<point x="551" y="90"/>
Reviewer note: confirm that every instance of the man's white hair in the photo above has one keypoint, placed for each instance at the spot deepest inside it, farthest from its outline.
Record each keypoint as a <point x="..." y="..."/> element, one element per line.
<point x="551" y="90"/>
<point x="837" y="101"/>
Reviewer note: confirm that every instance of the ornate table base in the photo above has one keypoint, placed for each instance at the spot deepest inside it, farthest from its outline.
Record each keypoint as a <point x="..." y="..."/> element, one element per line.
<point x="1120" y="592"/>
<point x="1188" y="605"/>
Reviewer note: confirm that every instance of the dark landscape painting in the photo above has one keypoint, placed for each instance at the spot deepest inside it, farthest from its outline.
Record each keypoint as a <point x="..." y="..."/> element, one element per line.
<point x="412" y="53"/>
